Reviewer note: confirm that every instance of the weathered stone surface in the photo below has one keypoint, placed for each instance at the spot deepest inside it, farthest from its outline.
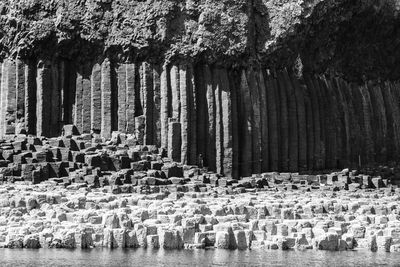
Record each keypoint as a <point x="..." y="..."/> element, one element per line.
<point x="43" y="96"/>
<point x="106" y="125"/>
<point x="95" y="98"/>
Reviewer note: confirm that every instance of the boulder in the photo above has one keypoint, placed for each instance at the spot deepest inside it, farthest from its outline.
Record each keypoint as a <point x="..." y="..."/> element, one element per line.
<point x="328" y="241"/>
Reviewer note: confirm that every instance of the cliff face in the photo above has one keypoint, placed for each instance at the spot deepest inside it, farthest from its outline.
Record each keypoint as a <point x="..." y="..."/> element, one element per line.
<point x="251" y="85"/>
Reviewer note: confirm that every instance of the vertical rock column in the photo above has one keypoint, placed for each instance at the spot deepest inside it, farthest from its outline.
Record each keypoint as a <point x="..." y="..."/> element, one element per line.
<point x="157" y="105"/>
<point x="232" y="78"/>
<point x="273" y="126"/>
<point x="174" y="140"/>
<point x="43" y="98"/>
<point x="226" y="124"/>
<point x="246" y="134"/>
<point x="344" y="108"/>
<point x="78" y="103"/>
<point x="20" y="97"/>
<point x="264" y="121"/>
<point x="394" y="99"/>
<point x="2" y="85"/>
<point x="175" y="85"/>
<point x="69" y="93"/>
<point x="367" y="111"/>
<point x="148" y="104"/>
<point x="55" y="100"/>
<point x="334" y="147"/>
<point x="121" y="75"/>
<point x="284" y="125"/>
<point x="30" y="98"/>
<point x="95" y="99"/>
<point x="218" y="120"/>
<point x="202" y="118"/>
<point x="130" y="97"/>
<point x="340" y="154"/>
<point x="322" y="122"/>
<point x="379" y="122"/>
<point x="358" y="132"/>
<point x="192" y="101"/>
<point x="164" y="102"/>
<point x="210" y="157"/>
<point x="174" y="135"/>
<point x="9" y="100"/>
<point x="105" y="99"/>
<point x="309" y="125"/>
<point x="292" y="119"/>
<point x="255" y="116"/>
<point x="301" y="124"/>
<point x="86" y="96"/>
<point x="184" y="114"/>
<point x="62" y="91"/>
<point x="391" y="117"/>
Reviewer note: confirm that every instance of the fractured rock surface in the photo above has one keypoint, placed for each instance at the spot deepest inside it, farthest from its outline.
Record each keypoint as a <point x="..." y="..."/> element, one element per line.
<point x="255" y="122"/>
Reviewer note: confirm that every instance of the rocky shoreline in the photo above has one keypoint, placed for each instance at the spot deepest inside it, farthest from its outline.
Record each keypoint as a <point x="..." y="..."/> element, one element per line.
<point x="79" y="191"/>
<point x="77" y="216"/>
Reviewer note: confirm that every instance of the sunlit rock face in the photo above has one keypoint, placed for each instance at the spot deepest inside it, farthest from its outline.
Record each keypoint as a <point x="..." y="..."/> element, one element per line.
<point x="243" y="86"/>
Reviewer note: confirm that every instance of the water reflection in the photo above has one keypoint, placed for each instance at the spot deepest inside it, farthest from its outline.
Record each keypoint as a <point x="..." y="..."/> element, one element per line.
<point x="149" y="257"/>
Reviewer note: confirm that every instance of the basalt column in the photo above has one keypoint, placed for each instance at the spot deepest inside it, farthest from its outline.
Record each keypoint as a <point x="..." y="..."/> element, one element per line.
<point x="235" y="124"/>
<point x="292" y="119"/>
<point x="148" y="101"/>
<point x="255" y="120"/>
<point x="301" y="124"/>
<point x="316" y="152"/>
<point x="345" y="136"/>
<point x="273" y="117"/>
<point x="20" y="97"/>
<point x="264" y="121"/>
<point x="174" y="143"/>
<point x="330" y="126"/>
<point x="30" y="97"/>
<point x="240" y="120"/>
<point x="175" y="85"/>
<point x="95" y="99"/>
<point x="55" y="100"/>
<point x="284" y="125"/>
<point x="121" y="75"/>
<point x="246" y="130"/>
<point x="228" y="136"/>
<point x="130" y="97"/>
<point x="367" y="124"/>
<point x="218" y="120"/>
<point x="210" y="157"/>
<point x="309" y="125"/>
<point x="8" y="97"/>
<point x="157" y="105"/>
<point x="202" y="111"/>
<point x="184" y="114"/>
<point x="105" y="99"/>
<point x="379" y="122"/>
<point x="43" y="98"/>
<point x="164" y="102"/>
<point x="86" y="96"/>
<point x="192" y="94"/>
<point x="78" y="103"/>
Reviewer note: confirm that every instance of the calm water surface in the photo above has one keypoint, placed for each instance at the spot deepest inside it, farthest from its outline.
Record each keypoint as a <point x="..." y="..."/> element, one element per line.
<point x="143" y="257"/>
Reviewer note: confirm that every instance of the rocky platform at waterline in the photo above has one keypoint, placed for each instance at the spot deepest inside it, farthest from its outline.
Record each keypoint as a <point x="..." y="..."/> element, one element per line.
<point x="83" y="191"/>
<point x="51" y="216"/>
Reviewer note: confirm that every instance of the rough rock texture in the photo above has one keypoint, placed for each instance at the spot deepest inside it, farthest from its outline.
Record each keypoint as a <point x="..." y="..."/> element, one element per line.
<point x="254" y="85"/>
<point x="51" y="216"/>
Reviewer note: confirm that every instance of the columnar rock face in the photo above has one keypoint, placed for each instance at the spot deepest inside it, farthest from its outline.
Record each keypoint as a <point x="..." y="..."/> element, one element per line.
<point x="238" y="122"/>
<point x="253" y="86"/>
